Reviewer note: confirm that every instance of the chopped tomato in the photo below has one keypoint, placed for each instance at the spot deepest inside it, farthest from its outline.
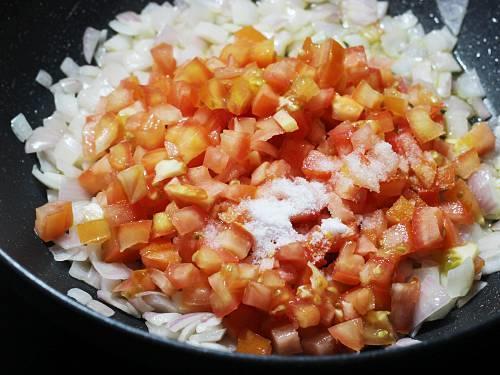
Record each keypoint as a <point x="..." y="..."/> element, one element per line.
<point x="349" y="333"/>
<point x="134" y="233"/>
<point x="53" y="220"/>
<point x="252" y="343"/>
<point x="265" y="102"/>
<point x="188" y="219"/>
<point x="257" y="295"/>
<point x="163" y="56"/>
<point x="138" y="282"/>
<point x="183" y="275"/>
<point x="159" y="255"/>
<point x="428" y="231"/>
<point x="404" y="297"/>
<point x="348" y="265"/>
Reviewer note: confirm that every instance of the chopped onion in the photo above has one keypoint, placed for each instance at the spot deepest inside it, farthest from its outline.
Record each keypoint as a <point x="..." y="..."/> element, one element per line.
<point x="91" y="38"/>
<point x="79" y="295"/>
<point x="433" y="297"/>
<point x="71" y="85"/>
<point x="161" y="331"/>
<point x="483" y="185"/>
<point x="453" y="13"/>
<point x="476" y="288"/>
<point x="140" y="305"/>
<point x="405" y="341"/>
<point x="100" y="308"/>
<point x="21" y="127"/>
<point x="69" y="67"/>
<point x="41" y="139"/>
<point x="480" y="108"/>
<point x="188" y="319"/>
<point x="468" y="85"/>
<point x="86" y="211"/>
<point x="208" y="325"/>
<point x="52" y="195"/>
<point x="118" y="302"/>
<point x="49" y="179"/>
<point x="112" y="271"/>
<point x="69" y="240"/>
<point x="159" y="319"/>
<point x="44" y="78"/>
<point x="109" y="285"/>
<point x="159" y="302"/>
<point x="85" y="272"/>
<point x="489" y="251"/>
<point x="459" y="280"/>
<point x="360" y="12"/>
<point x="244" y="12"/>
<point x="60" y="254"/>
<point x="457" y="123"/>
<point x="208" y="336"/>
<point x="72" y="191"/>
<point x="211" y="33"/>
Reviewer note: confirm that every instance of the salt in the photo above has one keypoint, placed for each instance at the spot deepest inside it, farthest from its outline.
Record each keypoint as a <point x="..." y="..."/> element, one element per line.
<point x="333" y="226"/>
<point x="275" y="205"/>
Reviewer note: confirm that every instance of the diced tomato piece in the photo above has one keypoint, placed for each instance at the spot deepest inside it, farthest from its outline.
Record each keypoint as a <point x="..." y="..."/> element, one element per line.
<point x="194" y="72"/>
<point x="134" y="233"/>
<point x="404" y="297"/>
<point x="305" y="314"/>
<point x="239" y="192"/>
<point x="97" y="177"/>
<point x="356" y="64"/>
<point x="456" y="211"/>
<point x="183" y="275"/>
<point x="377" y="271"/>
<point x="235" y="144"/>
<point x="184" y="96"/>
<point x="163" y="56"/>
<point x="208" y="260"/>
<point x="53" y="220"/>
<point x="263" y="53"/>
<point x="280" y="75"/>
<point x="346" y="108"/>
<point x="265" y="102"/>
<point x="222" y="299"/>
<point x="479" y="138"/>
<point x="159" y="255"/>
<point x="293" y="253"/>
<point x="94" y="231"/>
<point x="462" y="193"/>
<point x="322" y="101"/>
<point x="349" y="333"/>
<point x="319" y="165"/>
<point x="188" y="219"/>
<point x="362" y="299"/>
<point x="422" y="126"/>
<point x="401" y="211"/>
<point x="348" y="265"/>
<point x="257" y="295"/>
<point x="252" y="343"/>
<point x="365" y="95"/>
<point x="427" y="224"/>
<point x="319" y="344"/>
<point x="138" y="282"/>
<point x="467" y="163"/>
<point x="236" y="240"/>
<point x="286" y="340"/>
<point x="133" y="183"/>
<point x="111" y="252"/>
<point x="294" y="151"/>
<point x="191" y="140"/>
<point x="397" y="239"/>
<point x="340" y="138"/>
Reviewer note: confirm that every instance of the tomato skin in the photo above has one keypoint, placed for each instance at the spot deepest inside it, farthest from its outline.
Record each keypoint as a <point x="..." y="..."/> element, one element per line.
<point x="404" y="297"/>
<point x="53" y="220"/>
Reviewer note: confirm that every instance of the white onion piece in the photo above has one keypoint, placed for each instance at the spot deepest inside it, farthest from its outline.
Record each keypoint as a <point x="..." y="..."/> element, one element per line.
<point x="44" y="78"/>
<point x="454" y="103"/>
<point x="459" y="280"/>
<point x="67" y="105"/>
<point x="483" y="185"/>
<point x="69" y="67"/>
<point x="21" y="127"/>
<point x="86" y="211"/>
<point x="52" y="195"/>
<point x="453" y="13"/>
<point x="159" y="302"/>
<point x="489" y="251"/>
<point x="108" y="285"/>
<point x="476" y="288"/>
<point x="433" y="297"/>
<point x="405" y="341"/>
<point x="118" y="302"/>
<point x="71" y="85"/>
<point x="78" y="254"/>
<point x="457" y="123"/>
<point x="72" y="191"/>
<point x="85" y="272"/>
<point x="161" y="331"/>
<point x="209" y="325"/>
<point x="79" y="295"/>
<point x="41" y="139"/>
<point x="211" y="345"/>
<point x="49" y="179"/>
<point x="208" y="336"/>
<point x="188" y="319"/>
<point x="112" y="271"/>
<point x="211" y="33"/>
<point x="244" y="12"/>
<point x="480" y="108"/>
<point x="101" y="308"/>
<point x="69" y="240"/>
<point x="468" y="85"/>
<point x="140" y="305"/>
<point x="360" y="12"/>
<point x="159" y="319"/>
<point x="91" y="38"/>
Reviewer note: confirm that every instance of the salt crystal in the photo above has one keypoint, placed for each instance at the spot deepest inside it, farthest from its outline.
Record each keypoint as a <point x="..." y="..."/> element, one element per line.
<point x="333" y="226"/>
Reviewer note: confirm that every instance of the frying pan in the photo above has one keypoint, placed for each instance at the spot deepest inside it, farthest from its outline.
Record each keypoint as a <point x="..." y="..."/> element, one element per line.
<point x="39" y="34"/>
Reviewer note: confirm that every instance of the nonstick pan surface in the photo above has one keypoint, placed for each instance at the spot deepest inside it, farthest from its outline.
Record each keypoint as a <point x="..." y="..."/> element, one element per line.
<point x="39" y="34"/>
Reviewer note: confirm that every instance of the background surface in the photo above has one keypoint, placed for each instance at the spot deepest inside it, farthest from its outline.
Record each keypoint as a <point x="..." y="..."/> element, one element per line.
<point x="36" y="334"/>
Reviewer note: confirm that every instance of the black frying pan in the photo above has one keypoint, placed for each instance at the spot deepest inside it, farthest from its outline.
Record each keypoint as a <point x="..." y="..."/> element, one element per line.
<point x="39" y="34"/>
